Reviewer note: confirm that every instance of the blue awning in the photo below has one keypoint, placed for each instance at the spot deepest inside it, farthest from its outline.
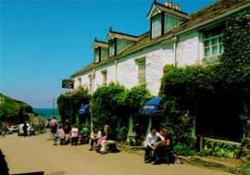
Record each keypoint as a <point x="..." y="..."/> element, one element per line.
<point x="84" y="109"/>
<point x="151" y="106"/>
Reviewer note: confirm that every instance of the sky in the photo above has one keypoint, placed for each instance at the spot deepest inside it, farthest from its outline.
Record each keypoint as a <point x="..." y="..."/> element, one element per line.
<point x="45" y="41"/>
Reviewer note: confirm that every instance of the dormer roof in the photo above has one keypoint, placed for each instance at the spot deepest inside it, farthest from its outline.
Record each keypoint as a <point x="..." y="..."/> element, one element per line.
<point x="98" y="43"/>
<point x="119" y="35"/>
<point x="157" y="8"/>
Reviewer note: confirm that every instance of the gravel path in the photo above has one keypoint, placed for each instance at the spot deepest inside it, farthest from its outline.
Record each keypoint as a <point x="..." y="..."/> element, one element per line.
<point x="38" y="154"/>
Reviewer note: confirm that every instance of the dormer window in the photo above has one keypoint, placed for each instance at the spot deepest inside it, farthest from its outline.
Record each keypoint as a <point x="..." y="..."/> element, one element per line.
<point x="112" y="47"/>
<point x="171" y="22"/>
<point x="156" y="26"/>
<point x="100" y="51"/>
<point x="164" y="17"/>
<point x="118" y="42"/>
<point x="98" y="55"/>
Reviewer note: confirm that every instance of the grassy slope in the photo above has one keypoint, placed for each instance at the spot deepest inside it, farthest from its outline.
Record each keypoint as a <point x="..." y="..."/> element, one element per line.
<point x="10" y="107"/>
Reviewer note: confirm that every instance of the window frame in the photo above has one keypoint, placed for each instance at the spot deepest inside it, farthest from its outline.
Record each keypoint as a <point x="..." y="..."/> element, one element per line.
<point x="218" y="44"/>
<point x="161" y="28"/>
<point x="104" y="77"/>
<point x="79" y="79"/>
<point x="114" y="42"/>
<point x="141" y="77"/>
<point x="99" y="58"/>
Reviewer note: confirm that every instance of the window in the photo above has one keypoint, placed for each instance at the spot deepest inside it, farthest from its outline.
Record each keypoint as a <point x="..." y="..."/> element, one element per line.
<point x="213" y="45"/>
<point x="112" y="47"/>
<point x="79" y="82"/>
<point x="170" y="22"/>
<point x="156" y="26"/>
<point x="91" y="81"/>
<point x="141" y="71"/>
<point x="98" y="55"/>
<point x="104" y="78"/>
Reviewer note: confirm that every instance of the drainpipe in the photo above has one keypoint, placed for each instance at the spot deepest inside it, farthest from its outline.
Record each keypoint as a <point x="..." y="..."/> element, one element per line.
<point x="116" y="70"/>
<point x="175" y="51"/>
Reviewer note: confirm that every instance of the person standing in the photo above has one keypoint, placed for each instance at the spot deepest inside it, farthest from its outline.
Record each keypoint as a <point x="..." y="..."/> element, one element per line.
<point x="25" y="129"/>
<point x="85" y="134"/>
<point x="53" y="126"/>
<point x="67" y="130"/>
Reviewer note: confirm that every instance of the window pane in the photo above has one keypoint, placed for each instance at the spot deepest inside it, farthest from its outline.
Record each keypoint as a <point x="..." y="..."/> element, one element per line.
<point x="206" y="43"/>
<point x="112" y="48"/>
<point x="214" y="41"/>
<point x="141" y="72"/>
<point x="221" y="49"/>
<point x="213" y="45"/>
<point x="156" y="26"/>
<point x="215" y="50"/>
<point x="220" y="39"/>
<point x="207" y="52"/>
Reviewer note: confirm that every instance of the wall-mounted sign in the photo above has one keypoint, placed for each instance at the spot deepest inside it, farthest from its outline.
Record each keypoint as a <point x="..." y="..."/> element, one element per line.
<point x="69" y="84"/>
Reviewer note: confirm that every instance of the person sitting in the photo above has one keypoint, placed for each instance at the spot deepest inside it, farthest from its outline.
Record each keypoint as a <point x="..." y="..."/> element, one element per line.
<point x="94" y="136"/>
<point x="163" y="150"/>
<point x="60" y="134"/>
<point x="74" y="135"/>
<point x="151" y="143"/>
<point x="100" y="146"/>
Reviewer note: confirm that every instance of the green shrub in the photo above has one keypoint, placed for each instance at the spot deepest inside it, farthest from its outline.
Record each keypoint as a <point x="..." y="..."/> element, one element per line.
<point x="122" y="133"/>
<point x="221" y="148"/>
<point x="220" y="89"/>
<point x="113" y="104"/>
<point x="69" y="103"/>
<point x="183" y="149"/>
<point x="108" y="104"/>
<point x="245" y="170"/>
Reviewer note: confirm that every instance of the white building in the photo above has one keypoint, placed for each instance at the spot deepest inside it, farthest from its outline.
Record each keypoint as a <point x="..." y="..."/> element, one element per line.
<point x="175" y="38"/>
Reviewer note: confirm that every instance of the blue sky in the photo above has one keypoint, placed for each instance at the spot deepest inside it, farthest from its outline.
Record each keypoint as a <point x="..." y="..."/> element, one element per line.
<point x="45" y="41"/>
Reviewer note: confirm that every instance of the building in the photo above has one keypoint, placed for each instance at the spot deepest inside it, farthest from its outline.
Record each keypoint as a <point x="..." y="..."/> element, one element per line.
<point x="175" y="38"/>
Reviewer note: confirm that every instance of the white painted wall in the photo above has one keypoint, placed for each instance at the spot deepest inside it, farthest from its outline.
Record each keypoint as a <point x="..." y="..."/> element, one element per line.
<point x="110" y="68"/>
<point x="188" y="49"/>
<point x="157" y="56"/>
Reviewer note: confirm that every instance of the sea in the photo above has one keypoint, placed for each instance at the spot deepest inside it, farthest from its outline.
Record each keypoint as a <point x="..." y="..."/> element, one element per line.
<point x="47" y="113"/>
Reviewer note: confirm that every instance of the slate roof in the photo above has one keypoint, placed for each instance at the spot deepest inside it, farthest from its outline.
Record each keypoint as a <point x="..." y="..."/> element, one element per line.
<point x="210" y="12"/>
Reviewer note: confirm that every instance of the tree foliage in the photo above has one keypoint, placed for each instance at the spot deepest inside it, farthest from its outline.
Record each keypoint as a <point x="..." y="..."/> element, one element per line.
<point x="69" y="103"/>
<point x="113" y="104"/>
<point x="135" y="98"/>
<point x="108" y="104"/>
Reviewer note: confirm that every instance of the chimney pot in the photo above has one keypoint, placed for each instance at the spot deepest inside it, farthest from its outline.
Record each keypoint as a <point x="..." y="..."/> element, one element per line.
<point x="172" y="6"/>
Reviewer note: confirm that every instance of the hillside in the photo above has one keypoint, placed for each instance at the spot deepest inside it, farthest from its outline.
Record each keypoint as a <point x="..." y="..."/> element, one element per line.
<point x="12" y="110"/>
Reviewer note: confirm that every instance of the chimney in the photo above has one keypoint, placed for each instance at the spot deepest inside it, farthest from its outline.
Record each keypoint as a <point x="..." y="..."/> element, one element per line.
<point x="172" y="6"/>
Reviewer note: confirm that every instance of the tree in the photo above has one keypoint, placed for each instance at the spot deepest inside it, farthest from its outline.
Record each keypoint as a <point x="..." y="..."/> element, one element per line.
<point x="69" y="103"/>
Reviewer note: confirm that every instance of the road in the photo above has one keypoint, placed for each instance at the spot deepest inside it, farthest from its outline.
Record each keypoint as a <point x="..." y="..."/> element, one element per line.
<point x="38" y="154"/>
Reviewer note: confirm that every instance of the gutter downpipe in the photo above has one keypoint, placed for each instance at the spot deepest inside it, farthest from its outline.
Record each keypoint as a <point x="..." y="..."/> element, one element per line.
<point x="175" y="50"/>
<point x="116" y="69"/>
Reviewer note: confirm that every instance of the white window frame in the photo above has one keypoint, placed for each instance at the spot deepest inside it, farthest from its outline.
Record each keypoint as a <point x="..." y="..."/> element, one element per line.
<point x="112" y="48"/>
<point x="156" y="26"/>
<point x="141" y="73"/>
<point x="211" y="45"/>
<point x="79" y="82"/>
<point x="104" y="77"/>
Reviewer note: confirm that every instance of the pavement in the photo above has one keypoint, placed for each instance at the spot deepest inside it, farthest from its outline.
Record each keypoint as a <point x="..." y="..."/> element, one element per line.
<point x="29" y="154"/>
